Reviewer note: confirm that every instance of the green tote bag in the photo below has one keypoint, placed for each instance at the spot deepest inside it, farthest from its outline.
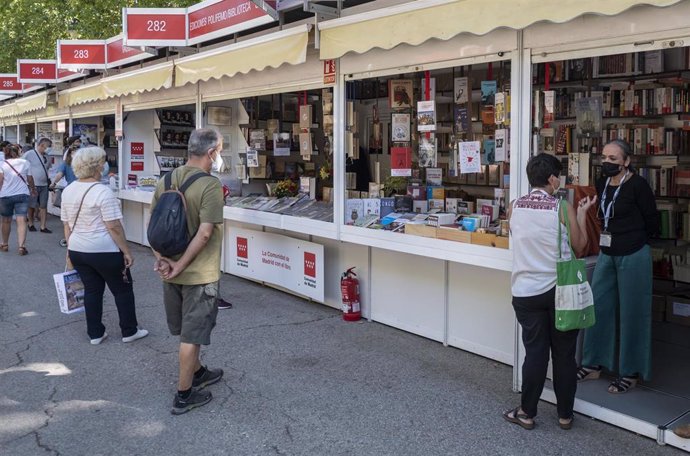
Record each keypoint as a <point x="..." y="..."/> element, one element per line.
<point x="574" y="299"/>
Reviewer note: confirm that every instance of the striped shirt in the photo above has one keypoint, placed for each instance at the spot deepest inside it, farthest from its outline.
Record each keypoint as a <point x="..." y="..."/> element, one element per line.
<point x="90" y="234"/>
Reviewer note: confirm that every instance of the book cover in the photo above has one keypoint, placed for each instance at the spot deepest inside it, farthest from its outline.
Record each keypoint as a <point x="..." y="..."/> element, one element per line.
<point x="548" y="140"/>
<point x="420" y="206"/>
<point x="470" y="157"/>
<point x="494" y="175"/>
<point x="489" y="156"/>
<point x="549" y="106"/>
<point x="588" y="114"/>
<point x="500" y="108"/>
<point x="436" y="205"/>
<point x="436" y="192"/>
<point x="261" y="171"/>
<point x="307" y="185"/>
<point x="305" y="117"/>
<point x="272" y="127"/>
<point x="354" y="209"/>
<point x="401" y="161"/>
<point x="427" y="153"/>
<point x="426" y="115"/>
<point x="434" y="176"/>
<point x="452" y="205"/>
<point x="400" y="127"/>
<point x="488" y="92"/>
<point x="372" y="206"/>
<point x="375" y="190"/>
<point x="252" y="158"/>
<point x="461" y="90"/>
<point x="305" y="146"/>
<point x="573" y="169"/>
<point x="400" y="93"/>
<point x="500" y="137"/>
<point x="462" y="120"/>
<point x="577" y="69"/>
<point x="417" y="192"/>
<point x="257" y="139"/>
<point x="387" y="206"/>
<point x="281" y="144"/>
<point x="465" y="207"/>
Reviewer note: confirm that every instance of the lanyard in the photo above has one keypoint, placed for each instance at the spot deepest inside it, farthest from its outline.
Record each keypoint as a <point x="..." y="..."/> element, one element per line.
<point x="606" y="210"/>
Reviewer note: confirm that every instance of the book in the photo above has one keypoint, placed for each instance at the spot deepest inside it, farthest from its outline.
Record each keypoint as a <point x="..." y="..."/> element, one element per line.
<point x="257" y="139"/>
<point x="500" y="108"/>
<point x="374" y="190"/>
<point x="281" y="144"/>
<point x="386" y="206"/>
<point x="400" y="93"/>
<point x="261" y="171"/>
<point x="588" y="113"/>
<point x="426" y="115"/>
<point x="354" y="208"/>
<point x="305" y="117"/>
<point x="372" y="206"/>
<point x="420" y="206"/>
<point x="469" y="157"/>
<point x="307" y="185"/>
<point x="465" y="207"/>
<point x="452" y="205"/>
<point x="461" y="90"/>
<point x="417" y="192"/>
<point x="548" y="140"/>
<point x="401" y="161"/>
<point x="549" y="106"/>
<point x="501" y="146"/>
<point x="436" y="204"/>
<point x="400" y="127"/>
<point x="462" y="120"/>
<point x="489" y="156"/>
<point x="427" y="152"/>
<point x="434" y="176"/>
<point x="305" y="146"/>
<point x="437" y="192"/>
<point x="488" y="89"/>
<point x="252" y="158"/>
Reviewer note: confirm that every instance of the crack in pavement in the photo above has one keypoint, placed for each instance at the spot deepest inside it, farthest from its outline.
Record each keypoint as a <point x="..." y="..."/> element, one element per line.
<point x="20" y="358"/>
<point x="43" y="332"/>
<point x="49" y="413"/>
<point x="299" y="323"/>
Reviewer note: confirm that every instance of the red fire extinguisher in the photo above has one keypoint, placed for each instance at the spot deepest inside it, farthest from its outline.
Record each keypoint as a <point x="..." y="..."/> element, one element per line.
<point x="349" y="287"/>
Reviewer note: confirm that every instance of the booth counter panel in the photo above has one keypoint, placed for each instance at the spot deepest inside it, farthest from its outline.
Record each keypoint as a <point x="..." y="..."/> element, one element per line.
<point x="133" y="221"/>
<point x="283" y="222"/>
<point x="138" y="196"/>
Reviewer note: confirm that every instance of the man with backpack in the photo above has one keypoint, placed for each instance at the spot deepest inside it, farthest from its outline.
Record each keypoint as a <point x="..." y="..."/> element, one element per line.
<point x="39" y="170"/>
<point x="185" y="232"/>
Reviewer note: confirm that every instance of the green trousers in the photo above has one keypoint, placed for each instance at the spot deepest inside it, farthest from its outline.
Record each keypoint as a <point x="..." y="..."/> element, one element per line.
<point x="622" y="287"/>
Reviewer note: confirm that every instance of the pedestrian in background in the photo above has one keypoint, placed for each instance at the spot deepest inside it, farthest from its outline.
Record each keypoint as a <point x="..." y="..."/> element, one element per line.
<point x="97" y="248"/>
<point x="39" y="170"/>
<point x="535" y="220"/>
<point x="190" y="280"/>
<point x="16" y="186"/>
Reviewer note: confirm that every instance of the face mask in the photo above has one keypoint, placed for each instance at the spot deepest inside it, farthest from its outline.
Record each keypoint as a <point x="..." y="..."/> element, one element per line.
<point x="609" y="169"/>
<point x="218" y="164"/>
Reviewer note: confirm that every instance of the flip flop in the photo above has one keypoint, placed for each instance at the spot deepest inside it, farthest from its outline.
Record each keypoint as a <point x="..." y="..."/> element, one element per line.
<point x="566" y="426"/>
<point x="518" y="418"/>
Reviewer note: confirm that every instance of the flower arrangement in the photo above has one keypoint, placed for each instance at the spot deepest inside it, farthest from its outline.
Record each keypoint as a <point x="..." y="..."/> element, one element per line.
<point x="285" y="188"/>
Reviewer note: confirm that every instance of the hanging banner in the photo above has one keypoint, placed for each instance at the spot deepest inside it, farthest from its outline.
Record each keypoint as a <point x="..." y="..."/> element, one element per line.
<point x="279" y="260"/>
<point x="154" y="26"/>
<point x="117" y="54"/>
<point x="81" y="54"/>
<point x="43" y="72"/>
<point x="215" y="18"/>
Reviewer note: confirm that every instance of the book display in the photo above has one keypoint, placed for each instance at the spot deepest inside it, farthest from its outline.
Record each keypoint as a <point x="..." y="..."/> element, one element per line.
<point x="445" y="153"/>
<point x="172" y="129"/>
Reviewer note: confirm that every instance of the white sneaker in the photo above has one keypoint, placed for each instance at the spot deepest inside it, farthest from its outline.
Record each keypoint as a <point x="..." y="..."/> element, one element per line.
<point x="140" y="334"/>
<point x="100" y="339"/>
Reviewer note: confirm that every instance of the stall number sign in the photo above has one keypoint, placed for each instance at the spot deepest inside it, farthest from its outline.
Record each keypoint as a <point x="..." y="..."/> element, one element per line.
<point x="136" y="151"/>
<point x="155" y="26"/>
<point x="329" y="71"/>
<point x="10" y="83"/>
<point x="41" y="72"/>
<point x="81" y="54"/>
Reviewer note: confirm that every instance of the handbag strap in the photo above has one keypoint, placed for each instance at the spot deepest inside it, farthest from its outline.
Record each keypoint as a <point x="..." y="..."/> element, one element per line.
<point x="80" y="205"/>
<point x="40" y="159"/>
<point x="567" y="227"/>
<point x="17" y="173"/>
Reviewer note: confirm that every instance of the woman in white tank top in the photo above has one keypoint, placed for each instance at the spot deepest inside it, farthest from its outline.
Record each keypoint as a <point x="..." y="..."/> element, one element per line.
<point x="534" y="222"/>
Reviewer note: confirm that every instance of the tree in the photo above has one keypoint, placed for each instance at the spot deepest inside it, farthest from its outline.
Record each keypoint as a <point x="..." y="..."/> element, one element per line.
<point x="29" y="29"/>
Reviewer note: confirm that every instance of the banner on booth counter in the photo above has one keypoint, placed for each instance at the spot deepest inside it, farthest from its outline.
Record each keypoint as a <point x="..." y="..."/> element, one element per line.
<point x="279" y="260"/>
<point x="43" y="72"/>
<point x="154" y="26"/>
<point x="216" y="18"/>
<point x="81" y="54"/>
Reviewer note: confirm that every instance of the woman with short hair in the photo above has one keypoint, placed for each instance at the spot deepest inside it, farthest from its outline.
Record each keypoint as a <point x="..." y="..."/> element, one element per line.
<point x="96" y="246"/>
<point x="16" y="185"/>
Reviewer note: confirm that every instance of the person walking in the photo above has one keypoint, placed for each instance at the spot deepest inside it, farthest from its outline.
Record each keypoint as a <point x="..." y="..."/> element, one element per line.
<point x="190" y="280"/>
<point x="622" y="282"/>
<point x="535" y="220"/>
<point x="16" y="186"/>
<point x="65" y="170"/>
<point x="39" y="170"/>
<point x="97" y="248"/>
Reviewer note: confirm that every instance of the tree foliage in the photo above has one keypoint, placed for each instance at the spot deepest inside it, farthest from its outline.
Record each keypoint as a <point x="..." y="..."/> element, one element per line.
<point x="29" y="29"/>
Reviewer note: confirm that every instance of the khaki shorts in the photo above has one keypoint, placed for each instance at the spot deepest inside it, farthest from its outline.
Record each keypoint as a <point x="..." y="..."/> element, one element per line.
<point x="191" y="311"/>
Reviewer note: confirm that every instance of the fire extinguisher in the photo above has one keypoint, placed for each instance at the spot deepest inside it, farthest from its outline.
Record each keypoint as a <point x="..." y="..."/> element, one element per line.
<point x="349" y="287"/>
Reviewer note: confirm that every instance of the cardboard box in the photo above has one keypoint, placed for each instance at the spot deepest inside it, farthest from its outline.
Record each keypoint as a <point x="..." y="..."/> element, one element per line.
<point x="490" y="240"/>
<point x="678" y="310"/>
<point x="420" y="230"/>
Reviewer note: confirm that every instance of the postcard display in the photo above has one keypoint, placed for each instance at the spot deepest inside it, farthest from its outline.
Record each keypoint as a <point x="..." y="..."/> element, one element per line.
<point x="446" y="138"/>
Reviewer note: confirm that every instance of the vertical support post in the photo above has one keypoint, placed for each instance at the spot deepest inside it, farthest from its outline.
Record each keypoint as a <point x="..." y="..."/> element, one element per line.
<point x="446" y="303"/>
<point x="339" y="153"/>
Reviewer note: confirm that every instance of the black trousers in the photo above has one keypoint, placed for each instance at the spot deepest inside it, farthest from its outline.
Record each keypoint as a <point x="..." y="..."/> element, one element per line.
<point x="539" y="335"/>
<point x="96" y="270"/>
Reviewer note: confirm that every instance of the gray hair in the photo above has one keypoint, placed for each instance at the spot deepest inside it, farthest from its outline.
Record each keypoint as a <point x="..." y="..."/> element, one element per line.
<point x="44" y="141"/>
<point x="88" y="162"/>
<point x="202" y="140"/>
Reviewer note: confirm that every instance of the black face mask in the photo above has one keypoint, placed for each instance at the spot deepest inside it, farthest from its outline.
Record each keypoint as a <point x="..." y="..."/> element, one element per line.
<point x="610" y="169"/>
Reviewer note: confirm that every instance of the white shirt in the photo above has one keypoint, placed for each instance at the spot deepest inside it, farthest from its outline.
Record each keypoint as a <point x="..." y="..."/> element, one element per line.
<point x="534" y="230"/>
<point x="89" y="234"/>
<point x="39" y="167"/>
<point x="12" y="184"/>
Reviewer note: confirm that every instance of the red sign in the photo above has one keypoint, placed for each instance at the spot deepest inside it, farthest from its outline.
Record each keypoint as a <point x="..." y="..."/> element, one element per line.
<point x="242" y="248"/>
<point x="215" y="18"/>
<point x="310" y="264"/>
<point x="78" y="54"/>
<point x="136" y="151"/>
<point x="9" y="83"/>
<point x="155" y="26"/>
<point x="118" y="54"/>
<point x="137" y="166"/>
<point x="43" y="72"/>
<point x="329" y="71"/>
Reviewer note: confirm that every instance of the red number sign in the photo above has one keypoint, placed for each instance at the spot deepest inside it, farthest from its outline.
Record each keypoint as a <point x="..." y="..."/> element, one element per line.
<point x="37" y="71"/>
<point x="9" y="83"/>
<point x="155" y="26"/>
<point x="78" y="54"/>
<point x="216" y="18"/>
<point x="118" y="54"/>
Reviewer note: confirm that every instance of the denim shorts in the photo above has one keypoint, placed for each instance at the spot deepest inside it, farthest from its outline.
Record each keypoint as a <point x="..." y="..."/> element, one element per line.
<point x="41" y="199"/>
<point x="14" y="205"/>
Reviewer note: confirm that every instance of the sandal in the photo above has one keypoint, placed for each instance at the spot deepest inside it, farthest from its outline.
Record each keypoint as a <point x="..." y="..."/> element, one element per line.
<point x="518" y="418"/>
<point x="22" y="251"/>
<point x="568" y="425"/>
<point x="4" y="247"/>
<point x="588" y="373"/>
<point x="622" y="385"/>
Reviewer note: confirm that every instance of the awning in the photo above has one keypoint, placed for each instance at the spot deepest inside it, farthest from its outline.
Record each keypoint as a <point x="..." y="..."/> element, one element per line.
<point x="416" y="22"/>
<point x="144" y="80"/>
<point x="271" y="50"/>
<point x="8" y="110"/>
<point x="32" y="103"/>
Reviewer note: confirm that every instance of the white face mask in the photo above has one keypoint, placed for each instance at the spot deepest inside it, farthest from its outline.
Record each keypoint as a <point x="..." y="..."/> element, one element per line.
<point x="218" y="165"/>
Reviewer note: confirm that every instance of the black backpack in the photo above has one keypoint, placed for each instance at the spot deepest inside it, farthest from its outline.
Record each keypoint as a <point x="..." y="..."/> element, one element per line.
<point x="167" y="232"/>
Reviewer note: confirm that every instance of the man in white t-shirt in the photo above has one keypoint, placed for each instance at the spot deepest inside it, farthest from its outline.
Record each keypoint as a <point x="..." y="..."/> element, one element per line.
<point x="39" y="170"/>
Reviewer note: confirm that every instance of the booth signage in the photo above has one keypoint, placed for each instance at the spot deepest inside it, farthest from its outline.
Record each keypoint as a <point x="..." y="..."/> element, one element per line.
<point x="136" y="151"/>
<point x="280" y="260"/>
<point x="329" y="71"/>
<point x="137" y="165"/>
<point x="9" y="84"/>
<point x="43" y="72"/>
<point x="215" y="18"/>
<point x="117" y="54"/>
<point x="81" y="54"/>
<point x="154" y="26"/>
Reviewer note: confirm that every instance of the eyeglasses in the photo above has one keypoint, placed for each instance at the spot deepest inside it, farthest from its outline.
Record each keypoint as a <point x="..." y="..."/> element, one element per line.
<point x="125" y="276"/>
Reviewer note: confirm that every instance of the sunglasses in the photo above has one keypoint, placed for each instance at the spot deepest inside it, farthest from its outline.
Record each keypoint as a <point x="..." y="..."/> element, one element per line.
<point x="126" y="276"/>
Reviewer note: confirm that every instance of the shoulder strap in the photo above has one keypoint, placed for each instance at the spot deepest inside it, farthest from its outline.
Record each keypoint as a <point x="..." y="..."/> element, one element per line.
<point x="167" y="181"/>
<point x="81" y="204"/>
<point x="562" y="205"/>
<point x="16" y="172"/>
<point x="191" y="179"/>
<point x="40" y="160"/>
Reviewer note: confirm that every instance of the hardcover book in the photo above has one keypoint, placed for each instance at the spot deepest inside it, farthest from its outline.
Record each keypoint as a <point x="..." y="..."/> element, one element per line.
<point x="461" y="90"/>
<point x="372" y="206"/>
<point x="400" y="93"/>
<point x="434" y="176"/>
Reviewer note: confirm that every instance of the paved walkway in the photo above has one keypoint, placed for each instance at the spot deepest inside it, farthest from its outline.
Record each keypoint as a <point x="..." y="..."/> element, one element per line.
<point x="299" y="381"/>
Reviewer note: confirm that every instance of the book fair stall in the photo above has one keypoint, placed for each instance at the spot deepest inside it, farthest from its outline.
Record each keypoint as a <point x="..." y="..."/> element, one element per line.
<point x="397" y="153"/>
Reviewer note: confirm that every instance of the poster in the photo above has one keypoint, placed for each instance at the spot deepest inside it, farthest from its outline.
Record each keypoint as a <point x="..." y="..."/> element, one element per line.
<point x="401" y="161"/>
<point x="88" y="134"/>
<point x="470" y="161"/>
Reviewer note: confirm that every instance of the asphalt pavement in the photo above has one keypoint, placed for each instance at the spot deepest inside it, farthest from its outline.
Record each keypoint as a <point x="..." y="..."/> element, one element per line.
<point x="298" y="381"/>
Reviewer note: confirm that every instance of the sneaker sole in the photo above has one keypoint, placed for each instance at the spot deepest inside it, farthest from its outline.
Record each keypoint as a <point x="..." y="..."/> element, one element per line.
<point x="209" y="382"/>
<point x="180" y="411"/>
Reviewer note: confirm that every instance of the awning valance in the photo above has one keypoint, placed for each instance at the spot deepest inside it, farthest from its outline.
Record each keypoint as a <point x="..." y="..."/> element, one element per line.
<point x="8" y="110"/>
<point x="32" y="103"/>
<point x="144" y="80"/>
<point x="271" y="50"/>
<point x="416" y="22"/>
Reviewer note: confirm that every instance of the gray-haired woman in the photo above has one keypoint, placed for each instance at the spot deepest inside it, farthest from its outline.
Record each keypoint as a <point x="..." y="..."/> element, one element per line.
<point x="97" y="247"/>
